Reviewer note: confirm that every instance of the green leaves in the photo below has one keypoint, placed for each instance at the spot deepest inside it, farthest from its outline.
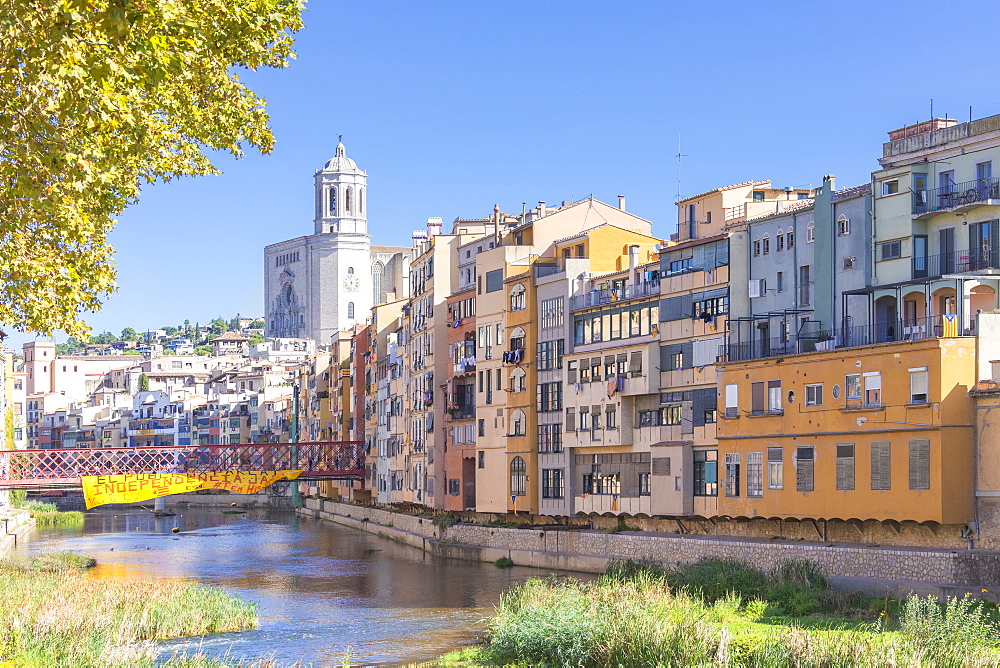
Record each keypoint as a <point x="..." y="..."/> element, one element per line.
<point x="98" y="97"/>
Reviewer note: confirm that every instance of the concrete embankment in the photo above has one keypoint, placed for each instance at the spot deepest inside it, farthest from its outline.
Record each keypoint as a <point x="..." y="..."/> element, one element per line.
<point x="17" y="523"/>
<point x="878" y="570"/>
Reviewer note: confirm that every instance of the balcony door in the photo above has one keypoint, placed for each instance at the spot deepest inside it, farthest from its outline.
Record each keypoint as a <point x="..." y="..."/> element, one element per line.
<point x="983" y="245"/>
<point x="946" y="251"/>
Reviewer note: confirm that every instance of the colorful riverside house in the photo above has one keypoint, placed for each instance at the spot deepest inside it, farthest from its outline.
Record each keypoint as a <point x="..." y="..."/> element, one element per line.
<point x="387" y="393"/>
<point x="936" y="237"/>
<point x="460" y="417"/>
<point x="880" y="433"/>
<point x="610" y="369"/>
<point x="507" y="340"/>
<point x="679" y="424"/>
<point x="728" y="208"/>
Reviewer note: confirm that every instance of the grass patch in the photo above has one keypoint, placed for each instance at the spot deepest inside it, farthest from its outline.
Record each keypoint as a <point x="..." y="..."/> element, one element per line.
<point x="48" y="514"/>
<point x="442" y="522"/>
<point x="634" y="616"/>
<point x="52" y="613"/>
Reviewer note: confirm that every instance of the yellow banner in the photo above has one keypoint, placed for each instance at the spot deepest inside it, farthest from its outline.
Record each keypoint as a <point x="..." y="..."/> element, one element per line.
<point x="101" y="489"/>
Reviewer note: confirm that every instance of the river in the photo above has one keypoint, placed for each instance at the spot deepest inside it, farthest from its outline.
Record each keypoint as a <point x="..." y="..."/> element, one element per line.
<point x="323" y="590"/>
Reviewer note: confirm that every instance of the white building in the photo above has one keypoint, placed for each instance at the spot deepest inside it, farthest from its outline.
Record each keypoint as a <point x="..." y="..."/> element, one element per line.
<point x="317" y="285"/>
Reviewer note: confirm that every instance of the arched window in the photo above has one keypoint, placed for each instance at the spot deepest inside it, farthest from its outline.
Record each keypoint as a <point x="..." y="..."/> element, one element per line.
<point x="361" y="200"/>
<point x="517" y="339"/>
<point x="810" y="232"/>
<point x="517" y="380"/>
<point x="843" y="225"/>
<point x="756" y="246"/>
<point x="347" y="201"/>
<point x="518" y="477"/>
<point x="377" y="270"/>
<point x="350" y="270"/>
<point x="350" y="310"/>
<point x="333" y="201"/>
<point x="790" y="238"/>
<point x="766" y="243"/>
<point x="779" y="241"/>
<point x="517" y="298"/>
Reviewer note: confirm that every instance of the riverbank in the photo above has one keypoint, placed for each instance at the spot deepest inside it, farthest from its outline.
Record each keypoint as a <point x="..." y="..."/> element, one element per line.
<point x="17" y="523"/>
<point x="53" y="614"/>
<point x="877" y="570"/>
<point x="727" y="614"/>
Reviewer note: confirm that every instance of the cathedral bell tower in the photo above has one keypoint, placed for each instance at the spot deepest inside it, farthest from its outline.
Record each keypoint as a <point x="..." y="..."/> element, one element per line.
<point x="341" y="196"/>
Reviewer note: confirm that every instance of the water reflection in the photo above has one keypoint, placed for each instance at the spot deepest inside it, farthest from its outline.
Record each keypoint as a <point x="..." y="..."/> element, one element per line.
<point x="321" y="588"/>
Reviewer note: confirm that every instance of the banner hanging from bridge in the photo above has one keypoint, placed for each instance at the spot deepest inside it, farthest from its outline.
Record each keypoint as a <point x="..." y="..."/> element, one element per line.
<point x="101" y="489"/>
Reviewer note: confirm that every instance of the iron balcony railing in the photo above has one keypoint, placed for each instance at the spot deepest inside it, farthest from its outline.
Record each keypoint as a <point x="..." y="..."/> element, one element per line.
<point x="883" y="331"/>
<point x="609" y="295"/>
<point x="960" y="261"/>
<point x="956" y="194"/>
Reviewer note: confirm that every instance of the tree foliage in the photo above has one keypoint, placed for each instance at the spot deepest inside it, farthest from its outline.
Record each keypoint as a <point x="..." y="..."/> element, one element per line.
<point x="99" y="97"/>
<point x="129" y="334"/>
<point x="143" y="382"/>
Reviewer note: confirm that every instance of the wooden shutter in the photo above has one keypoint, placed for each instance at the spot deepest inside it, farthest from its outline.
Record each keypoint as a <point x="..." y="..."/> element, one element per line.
<point x="757" y="397"/>
<point x="804" y="470"/>
<point x="920" y="464"/>
<point x="571" y="374"/>
<point x="881" y="465"/>
<point x="845" y="466"/>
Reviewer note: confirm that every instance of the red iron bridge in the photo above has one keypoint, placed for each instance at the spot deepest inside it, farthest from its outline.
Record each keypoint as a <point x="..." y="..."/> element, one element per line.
<point x="61" y="469"/>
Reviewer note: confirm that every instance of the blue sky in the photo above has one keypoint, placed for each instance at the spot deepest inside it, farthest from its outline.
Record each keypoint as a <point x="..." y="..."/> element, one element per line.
<point x="454" y="106"/>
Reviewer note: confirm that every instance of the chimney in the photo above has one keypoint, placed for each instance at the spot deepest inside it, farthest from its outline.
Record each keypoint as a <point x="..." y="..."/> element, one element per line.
<point x="621" y="202"/>
<point x="434" y="226"/>
<point x="995" y="365"/>
<point x="633" y="258"/>
<point x="418" y="236"/>
<point x="788" y="192"/>
<point x="541" y="208"/>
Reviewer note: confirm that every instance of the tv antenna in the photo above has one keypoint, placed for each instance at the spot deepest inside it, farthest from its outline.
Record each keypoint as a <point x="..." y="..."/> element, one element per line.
<point x="679" y="156"/>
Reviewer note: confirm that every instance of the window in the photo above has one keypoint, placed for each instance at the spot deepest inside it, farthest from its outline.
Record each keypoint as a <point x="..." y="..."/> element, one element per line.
<point x="810" y="232"/>
<point x="670" y="415"/>
<point x="610" y="417"/>
<point x="756" y="246"/>
<point x="758" y="195"/>
<point x="553" y="485"/>
<point x="644" y="488"/>
<point x="843" y="225"/>
<point x="550" y="438"/>
<point x="350" y="309"/>
<point x="706" y="472"/>
<point x="765" y="245"/>
<point x="849" y="262"/>
<point x="780" y="282"/>
<point x="890" y="250"/>
<point x="873" y="388"/>
<point x="775" y="468"/>
<point x="814" y="395"/>
<point x="755" y="474"/>
<point x="570" y="419"/>
<point x="552" y="313"/>
<point x="585" y="418"/>
<point x="804" y="469"/>
<point x="732" y="395"/>
<point x="494" y="280"/>
<point x="350" y="270"/>
<point x="732" y="486"/>
<point x="852" y="384"/>
<point x="774" y="396"/>
<point x="677" y="266"/>
<point x="549" y="396"/>
<point x="517" y="423"/>
<point x="333" y="201"/>
<point x="518" y="477"/>
<point x="890" y="187"/>
<point x="790" y="238"/>
<point x="881" y="465"/>
<point x="517" y="298"/>
<point x="756" y="399"/>
<point x="920" y="464"/>
<point x="845" y="466"/>
<point x="453" y="486"/>
<point x="918" y="385"/>
<point x="549" y="355"/>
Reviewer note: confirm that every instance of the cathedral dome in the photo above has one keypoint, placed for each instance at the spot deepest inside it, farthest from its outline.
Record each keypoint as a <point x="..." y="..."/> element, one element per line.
<point x="340" y="163"/>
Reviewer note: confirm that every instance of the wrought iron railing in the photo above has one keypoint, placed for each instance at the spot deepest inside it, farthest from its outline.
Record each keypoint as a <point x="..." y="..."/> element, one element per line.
<point x="956" y="262"/>
<point x="609" y="295"/>
<point x="956" y="194"/>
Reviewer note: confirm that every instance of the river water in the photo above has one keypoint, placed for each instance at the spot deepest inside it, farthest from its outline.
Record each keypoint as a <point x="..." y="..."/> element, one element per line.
<point x="323" y="590"/>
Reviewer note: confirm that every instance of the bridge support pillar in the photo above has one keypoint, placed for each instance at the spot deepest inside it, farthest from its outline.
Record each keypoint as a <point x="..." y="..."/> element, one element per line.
<point x="160" y="505"/>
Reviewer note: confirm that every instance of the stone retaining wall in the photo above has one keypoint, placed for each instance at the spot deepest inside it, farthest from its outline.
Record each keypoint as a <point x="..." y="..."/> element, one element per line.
<point x="876" y="568"/>
<point x="14" y="527"/>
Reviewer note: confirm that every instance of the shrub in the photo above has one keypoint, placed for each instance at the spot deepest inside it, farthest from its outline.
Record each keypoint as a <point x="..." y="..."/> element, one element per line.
<point x="504" y="562"/>
<point x="630" y="568"/>
<point x="802" y="573"/>
<point x="442" y="522"/>
<point x="959" y="624"/>
<point x="714" y="579"/>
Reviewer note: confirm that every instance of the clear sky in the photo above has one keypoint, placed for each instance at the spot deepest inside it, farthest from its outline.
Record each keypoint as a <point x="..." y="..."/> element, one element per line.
<point x="454" y="106"/>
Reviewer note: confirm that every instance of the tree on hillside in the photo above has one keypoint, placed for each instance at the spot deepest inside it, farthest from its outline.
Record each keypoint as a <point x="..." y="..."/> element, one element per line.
<point x="97" y="99"/>
<point x="170" y="330"/>
<point x="257" y="324"/>
<point x="187" y="328"/>
<point x="129" y="334"/>
<point x="217" y="326"/>
<point x="234" y="324"/>
<point x="103" y="337"/>
<point x="143" y="382"/>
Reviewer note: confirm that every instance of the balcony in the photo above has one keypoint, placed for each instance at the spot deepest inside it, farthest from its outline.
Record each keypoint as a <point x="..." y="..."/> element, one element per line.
<point x="956" y="197"/>
<point x="462" y="412"/>
<point x="609" y="295"/>
<point x="847" y="337"/>
<point x="960" y="262"/>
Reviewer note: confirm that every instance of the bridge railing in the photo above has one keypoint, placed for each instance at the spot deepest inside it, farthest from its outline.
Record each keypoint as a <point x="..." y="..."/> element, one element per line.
<point x="340" y="459"/>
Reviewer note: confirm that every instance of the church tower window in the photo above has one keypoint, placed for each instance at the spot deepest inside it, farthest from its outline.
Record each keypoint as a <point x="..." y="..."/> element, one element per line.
<point x="377" y="271"/>
<point x="333" y="201"/>
<point x="361" y="201"/>
<point x="350" y="270"/>
<point x="347" y="201"/>
<point x="350" y="310"/>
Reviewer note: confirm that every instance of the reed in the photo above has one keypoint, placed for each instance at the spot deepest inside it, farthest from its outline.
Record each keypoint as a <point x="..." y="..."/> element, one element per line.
<point x="47" y="514"/>
<point x="53" y="613"/>
<point x="634" y="617"/>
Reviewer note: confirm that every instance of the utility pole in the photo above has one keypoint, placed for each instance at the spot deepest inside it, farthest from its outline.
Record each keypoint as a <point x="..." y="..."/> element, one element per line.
<point x="296" y="495"/>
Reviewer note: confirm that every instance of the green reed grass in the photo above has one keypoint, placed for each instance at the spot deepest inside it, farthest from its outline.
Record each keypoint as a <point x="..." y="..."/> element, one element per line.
<point x="641" y="620"/>
<point x="48" y="514"/>
<point x="53" y="614"/>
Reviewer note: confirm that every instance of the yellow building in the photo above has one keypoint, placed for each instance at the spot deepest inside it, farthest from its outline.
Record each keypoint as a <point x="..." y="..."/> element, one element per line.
<point x="880" y="432"/>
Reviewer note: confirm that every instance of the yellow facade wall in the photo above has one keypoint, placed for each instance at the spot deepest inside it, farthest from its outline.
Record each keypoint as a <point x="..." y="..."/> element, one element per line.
<point x="944" y="420"/>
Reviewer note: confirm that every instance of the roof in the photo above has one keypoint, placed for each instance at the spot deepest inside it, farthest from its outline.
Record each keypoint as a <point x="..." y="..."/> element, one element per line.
<point x="231" y="336"/>
<point x="587" y="231"/>
<point x="790" y="207"/>
<point x="718" y="190"/>
<point x="341" y="163"/>
<point x="856" y="191"/>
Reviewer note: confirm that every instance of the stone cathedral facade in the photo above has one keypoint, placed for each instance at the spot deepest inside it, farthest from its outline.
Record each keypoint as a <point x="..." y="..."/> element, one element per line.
<point x="317" y="285"/>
